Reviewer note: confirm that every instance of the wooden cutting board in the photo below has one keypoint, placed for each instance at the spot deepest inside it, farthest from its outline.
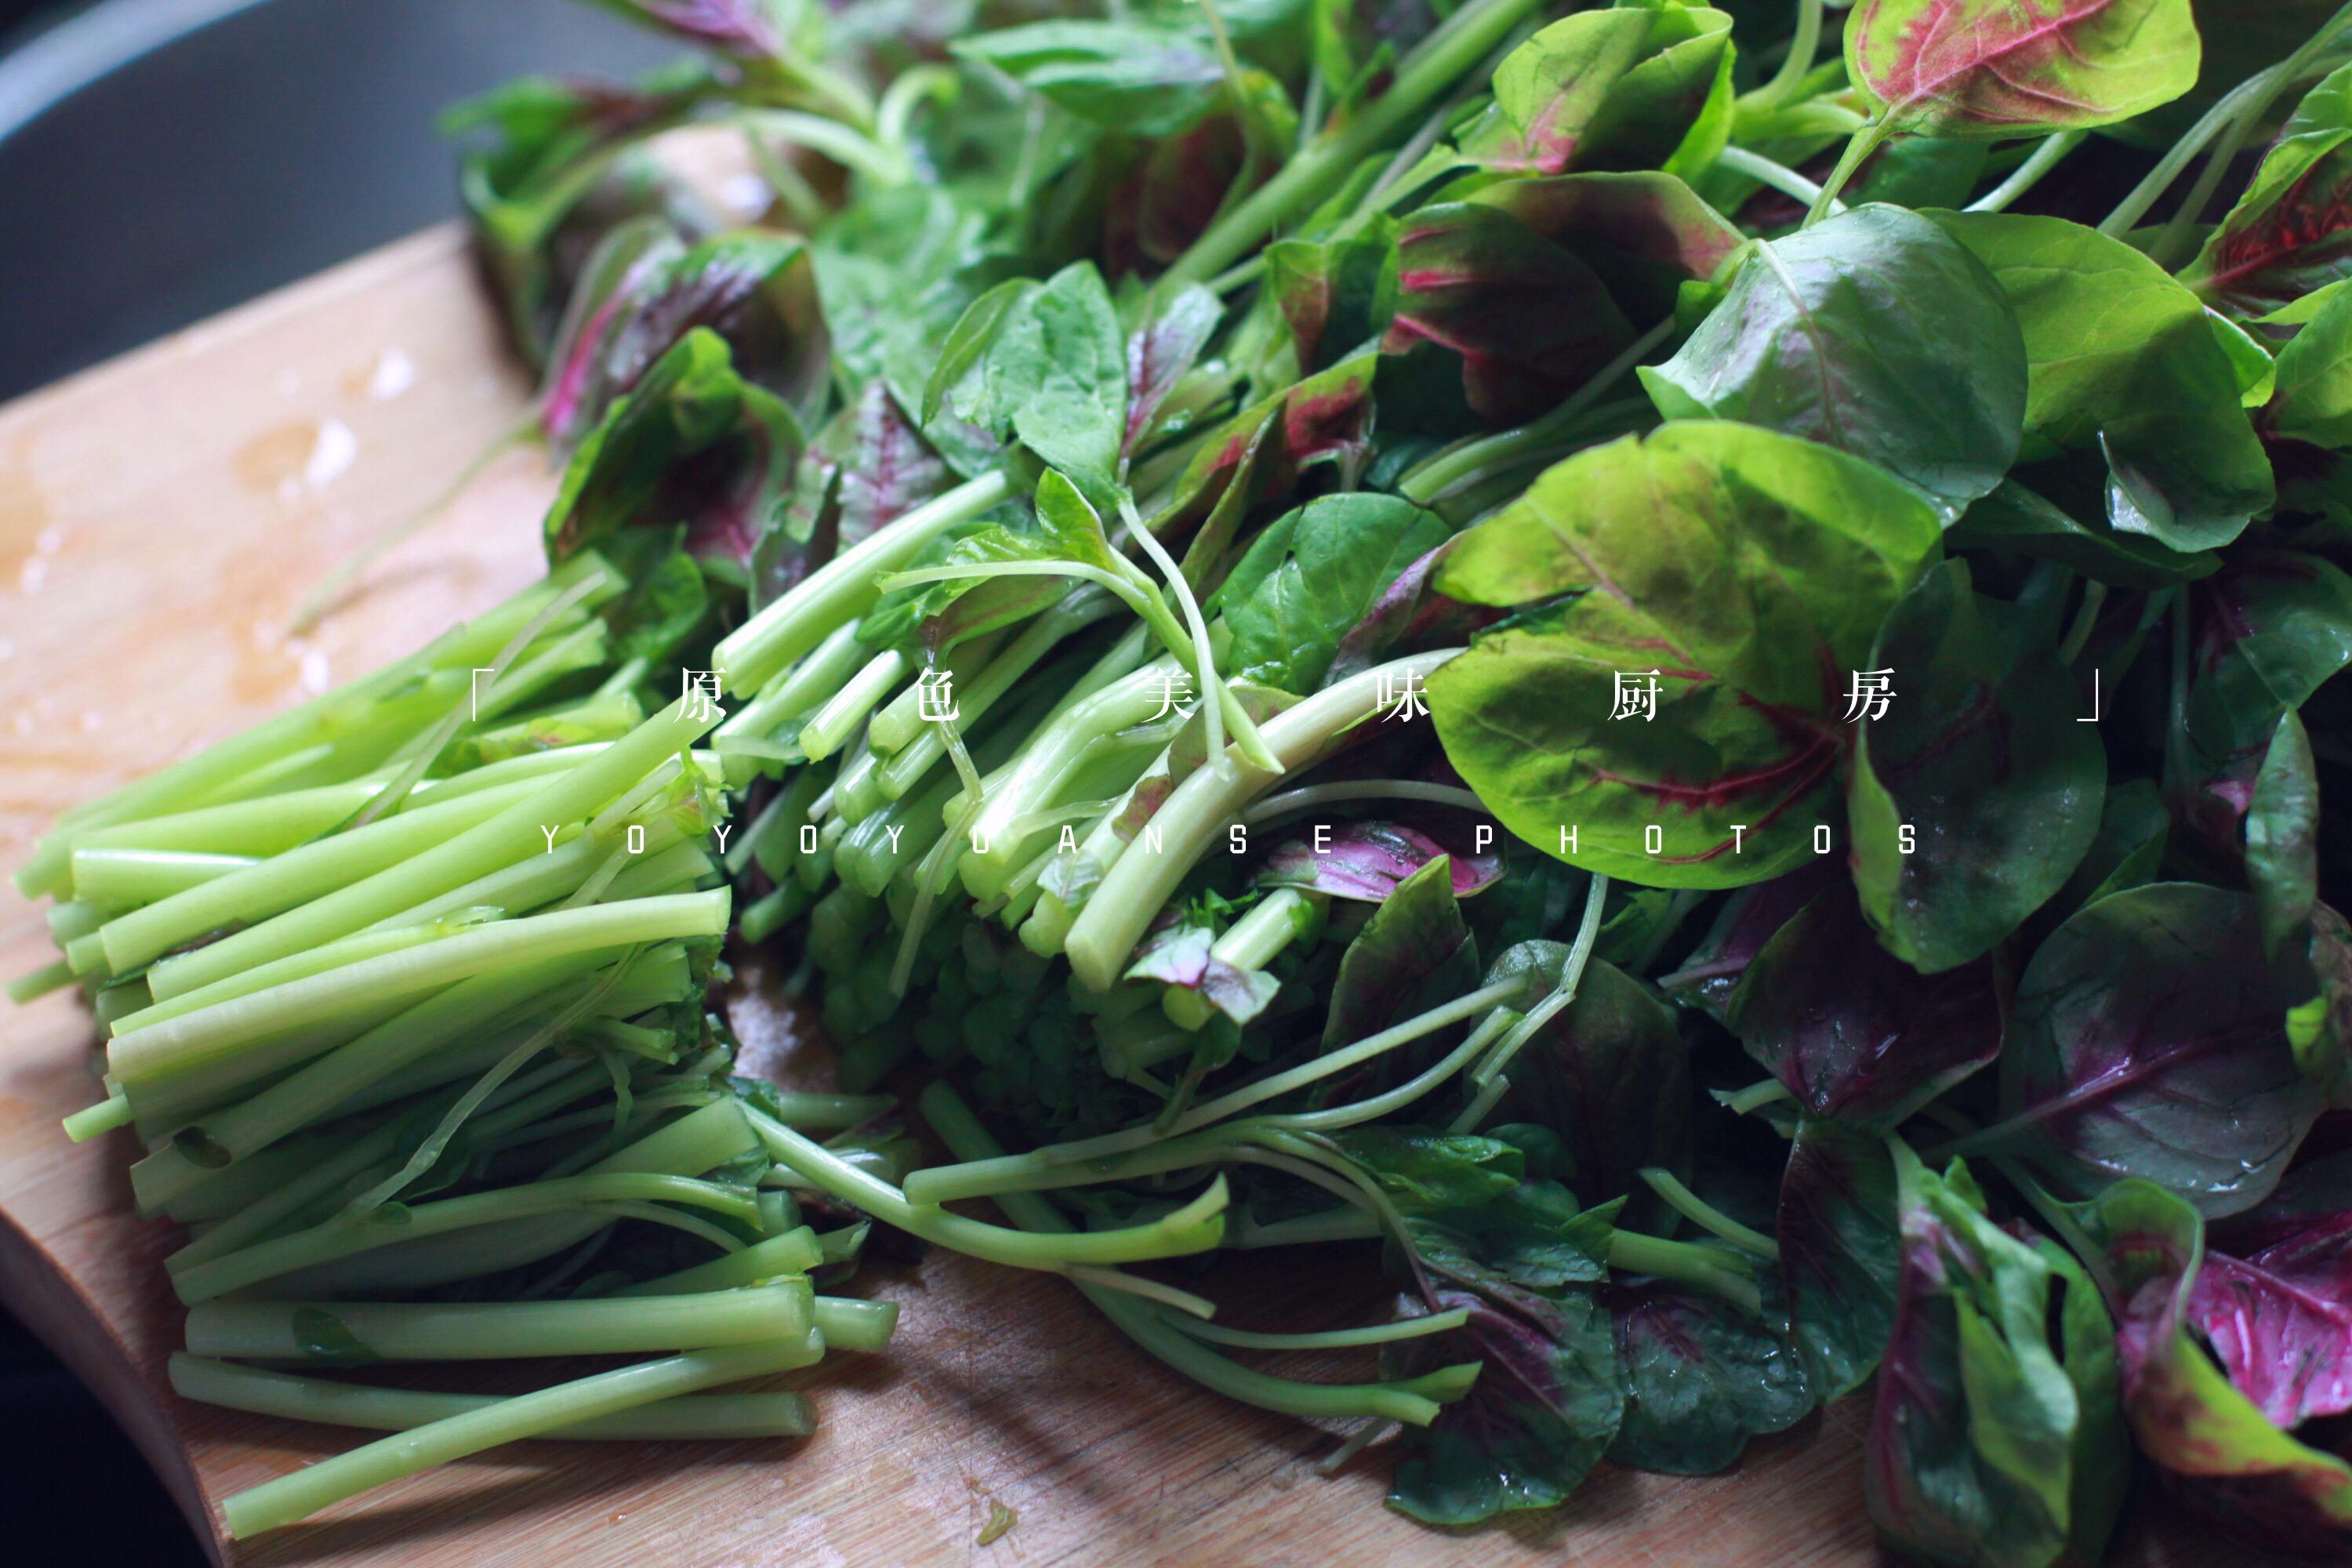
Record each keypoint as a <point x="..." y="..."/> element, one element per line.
<point x="161" y="518"/>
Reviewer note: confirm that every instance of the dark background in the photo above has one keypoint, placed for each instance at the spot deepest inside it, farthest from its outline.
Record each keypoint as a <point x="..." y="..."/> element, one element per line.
<point x="160" y="160"/>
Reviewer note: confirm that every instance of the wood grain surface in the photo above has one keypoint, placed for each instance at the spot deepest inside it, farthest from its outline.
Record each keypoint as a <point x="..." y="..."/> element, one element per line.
<point x="160" y="518"/>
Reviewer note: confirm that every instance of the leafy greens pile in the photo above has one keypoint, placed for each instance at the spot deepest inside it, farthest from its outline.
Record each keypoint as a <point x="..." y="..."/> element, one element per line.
<point x="1175" y="503"/>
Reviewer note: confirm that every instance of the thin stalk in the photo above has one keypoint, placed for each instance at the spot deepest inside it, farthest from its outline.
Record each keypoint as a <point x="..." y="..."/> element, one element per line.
<point x="1571" y="975"/>
<point x="1289" y="802"/>
<point x="1858" y="150"/>
<point x="1804" y="44"/>
<point x="831" y="724"/>
<point x="1251" y="944"/>
<point x="295" y="1496"/>
<point x="1777" y="176"/>
<point x="287" y="881"/>
<point x="328" y="1403"/>
<point x="2045" y="157"/>
<point x="1329" y="1339"/>
<point x="194" y="1041"/>
<point x="40" y="983"/>
<point x="1756" y="1096"/>
<point x="844" y="587"/>
<point x="342" y="1237"/>
<point x="1706" y="1215"/>
<point x="1416" y="1401"/>
<point x="1631" y="1252"/>
<point x="794" y="1252"/>
<point x="2086" y="620"/>
<point x="945" y="1184"/>
<point x="427" y="749"/>
<point x="2135" y="205"/>
<point x="144" y="875"/>
<point x="499" y="1331"/>
<point x="1450" y="471"/>
<point x="319" y="600"/>
<point x="1198" y="1226"/>
<point x="504" y="838"/>
<point x="1431" y="69"/>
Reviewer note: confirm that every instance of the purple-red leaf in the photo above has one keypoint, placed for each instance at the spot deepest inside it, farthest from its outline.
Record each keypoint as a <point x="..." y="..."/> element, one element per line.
<point x="732" y="285"/>
<point x="2290" y="234"/>
<point x="1415" y="943"/>
<point x="1711" y="975"/>
<point x="2274" y="1297"/>
<point x="1260" y="450"/>
<point x="2215" y="1446"/>
<point x="1529" y="320"/>
<point x="1958" y="68"/>
<point x="1644" y="234"/>
<point x="1364" y="861"/>
<point x="1855" y="1032"/>
<point x="1158" y="353"/>
<point x="1178" y="952"/>
<point x="2151" y="1040"/>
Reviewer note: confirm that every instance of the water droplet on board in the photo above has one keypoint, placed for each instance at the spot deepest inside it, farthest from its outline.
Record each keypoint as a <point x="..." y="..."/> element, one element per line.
<point x="331" y="454"/>
<point x="395" y="373"/>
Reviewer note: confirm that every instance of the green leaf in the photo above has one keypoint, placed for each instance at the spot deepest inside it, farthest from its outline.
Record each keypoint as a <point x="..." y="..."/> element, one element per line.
<point x="2257" y="372"/>
<point x="1057" y="373"/>
<point x="558" y="144"/>
<point x="2280" y="627"/>
<point x="1604" y="89"/>
<point x="1143" y="80"/>
<point x="1840" y="1255"/>
<point x="2123" y="364"/>
<point x="1422" y="1169"/>
<point x="2011" y="68"/>
<point x="665" y="603"/>
<point x="1311" y="576"/>
<point x="694" y="444"/>
<point x="2016" y="518"/>
<point x="1071" y="524"/>
<point x="1532" y="1238"/>
<point x="1702" y="1376"/>
<point x="2313" y="401"/>
<point x="1544" y="1408"/>
<point x="1990" y="1446"/>
<point x="2126" y="849"/>
<point x="608" y="302"/>
<point x="1978" y="766"/>
<point x="1356" y="40"/>
<point x="1710" y="975"/>
<point x="2289" y="233"/>
<point x="1751" y="571"/>
<point x="2283" y="835"/>
<point x="2149" y="1040"/>
<point x="968" y="340"/>
<point x="1874" y="332"/>
<point x="1260" y="452"/>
